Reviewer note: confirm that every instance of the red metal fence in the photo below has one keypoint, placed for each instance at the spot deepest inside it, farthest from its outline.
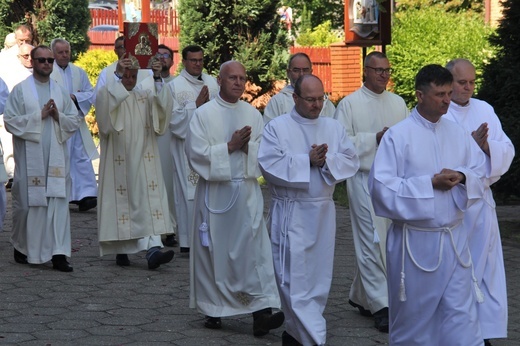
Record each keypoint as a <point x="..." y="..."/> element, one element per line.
<point x="321" y="63"/>
<point x="167" y="20"/>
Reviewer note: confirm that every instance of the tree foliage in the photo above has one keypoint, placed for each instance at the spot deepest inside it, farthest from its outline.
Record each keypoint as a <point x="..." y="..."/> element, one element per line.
<point x="431" y="35"/>
<point x="317" y="12"/>
<point x="320" y="36"/>
<point x="68" y="19"/>
<point x="501" y="85"/>
<point x="447" y="5"/>
<point x="247" y="31"/>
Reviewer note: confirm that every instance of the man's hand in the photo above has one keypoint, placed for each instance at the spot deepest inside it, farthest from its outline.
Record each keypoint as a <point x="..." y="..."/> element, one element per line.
<point x="239" y="140"/>
<point x="203" y="96"/>
<point x="123" y="64"/>
<point x="480" y="136"/>
<point x="447" y="179"/>
<point x="156" y="68"/>
<point x="50" y="110"/>
<point x="380" y="134"/>
<point x="318" y="154"/>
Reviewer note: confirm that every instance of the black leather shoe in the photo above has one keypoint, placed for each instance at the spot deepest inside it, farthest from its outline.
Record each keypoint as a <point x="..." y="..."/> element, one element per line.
<point x="59" y="262"/>
<point x="185" y="250"/>
<point x="122" y="260"/>
<point x="289" y="340"/>
<point x="213" y="322"/>
<point x="159" y="258"/>
<point x="20" y="257"/>
<point x="487" y="342"/>
<point x="263" y="323"/>
<point x="362" y="310"/>
<point x="87" y="203"/>
<point x="381" y="321"/>
<point x="170" y="241"/>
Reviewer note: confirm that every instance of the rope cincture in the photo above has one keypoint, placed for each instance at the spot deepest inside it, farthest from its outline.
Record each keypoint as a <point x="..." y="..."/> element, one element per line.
<point x="406" y="245"/>
<point x="204" y="227"/>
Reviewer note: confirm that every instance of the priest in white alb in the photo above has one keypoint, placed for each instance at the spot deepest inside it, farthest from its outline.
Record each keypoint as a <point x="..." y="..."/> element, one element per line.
<point x="231" y="265"/>
<point x="303" y="156"/>
<point x="82" y="149"/>
<point x="426" y="173"/>
<point x="133" y="209"/>
<point x="191" y="89"/>
<point x="479" y="118"/>
<point x="41" y="117"/>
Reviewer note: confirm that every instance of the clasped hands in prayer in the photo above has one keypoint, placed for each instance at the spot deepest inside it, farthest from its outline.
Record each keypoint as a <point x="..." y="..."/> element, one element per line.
<point x="318" y="154"/>
<point x="50" y="109"/>
<point x="447" y="179"/>
<point x="240" y="140"/>
<point x="480" y="136"/>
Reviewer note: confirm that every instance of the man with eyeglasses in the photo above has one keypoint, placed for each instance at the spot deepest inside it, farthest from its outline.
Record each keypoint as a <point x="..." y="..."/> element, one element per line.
<point x="479" y="118"/>
<point x="41" y="117"/>
<point x="191" y="89"/>
<point x="231" y="264"/>
<point x="367" y="114"/>
<point x="82" y="149"/>
<point x="24" y="56"/>
<point x="282" y="103"/>
<point x="302" y="157"/>
<point x="165" y="56"/>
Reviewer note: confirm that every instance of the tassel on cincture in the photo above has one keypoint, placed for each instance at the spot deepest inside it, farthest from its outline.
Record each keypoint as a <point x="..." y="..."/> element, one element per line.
<point x="478" y="292"/>
<point x="204" y="235"/>
<point x="376" y="238"/>
<point x="402" y="290"/>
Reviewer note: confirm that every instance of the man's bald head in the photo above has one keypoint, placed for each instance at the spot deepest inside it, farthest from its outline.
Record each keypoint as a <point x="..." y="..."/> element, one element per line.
<point x="24" y="55"/>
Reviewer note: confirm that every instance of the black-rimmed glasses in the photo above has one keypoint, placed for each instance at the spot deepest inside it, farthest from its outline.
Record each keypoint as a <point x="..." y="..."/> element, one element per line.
<point x="380" y="71"/>
<point x="42" y="60"/>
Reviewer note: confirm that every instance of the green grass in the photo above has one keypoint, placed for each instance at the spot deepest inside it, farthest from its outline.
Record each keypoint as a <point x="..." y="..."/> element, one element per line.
<point x="340" y="194"/>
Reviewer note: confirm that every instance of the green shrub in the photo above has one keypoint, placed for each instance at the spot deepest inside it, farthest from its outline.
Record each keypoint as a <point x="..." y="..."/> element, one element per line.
<point x="320" y="36"/>
<point x="433" y="36"/>
<point x="93" y="61"/>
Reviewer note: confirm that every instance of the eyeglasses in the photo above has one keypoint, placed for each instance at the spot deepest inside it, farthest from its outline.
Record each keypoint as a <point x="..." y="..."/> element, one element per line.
<point x="196" y="61"/>
<point x="313" y="99"/>
<point x="300" y="70"/>
<point x="42" y="60"/>
<point x="380" y="71"/>
<point x="163" y="55"/>
<point x="25" y="56"/>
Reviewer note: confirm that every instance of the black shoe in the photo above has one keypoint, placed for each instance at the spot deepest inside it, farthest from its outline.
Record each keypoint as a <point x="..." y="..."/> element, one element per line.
<point x="170" y="241"/>
<point x="87" y="203"/>
<point x="362" y="310"/>
<point x="487" y="342"/>
<point x="381" y="321"/>
<point x="122" y="260"/>
<point x="213" y="322"/>
<point x="20" y="257"/>
<point x="9" y="184"/>
<point x="264" y="322"/>
<point x="158" y="258"/>
<point x="59" y="262"/>
<point x="289" y="340"/>
<point x="185" y="250"/>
